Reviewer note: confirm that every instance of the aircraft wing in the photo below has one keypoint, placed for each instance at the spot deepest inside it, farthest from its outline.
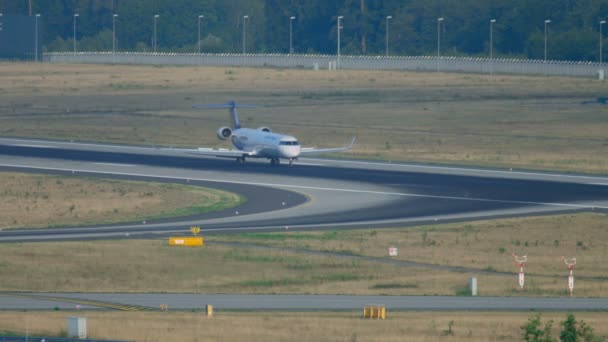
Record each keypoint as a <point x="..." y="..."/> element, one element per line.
<point x="311" y="150"/>
<point x="216" y="152"/>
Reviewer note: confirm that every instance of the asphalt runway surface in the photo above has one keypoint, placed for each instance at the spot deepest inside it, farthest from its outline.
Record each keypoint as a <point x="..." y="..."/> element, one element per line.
<point x="314" y="194"/>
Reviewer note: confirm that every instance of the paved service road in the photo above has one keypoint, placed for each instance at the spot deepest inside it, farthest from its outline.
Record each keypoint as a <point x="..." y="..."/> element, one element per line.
<point x="300" y="302"/>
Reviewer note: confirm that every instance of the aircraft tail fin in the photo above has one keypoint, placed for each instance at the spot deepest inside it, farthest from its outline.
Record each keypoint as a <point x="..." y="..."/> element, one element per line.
<point x="232" y="106"/>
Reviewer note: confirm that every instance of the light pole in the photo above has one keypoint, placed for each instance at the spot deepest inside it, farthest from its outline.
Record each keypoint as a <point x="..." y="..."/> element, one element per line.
<point x="114" y="32"/>
<point x="291" y="19"/>
<point x="114" y="36"/>
<point x="75" y="16"/>
<point x="601" y="50"/>
<point x="199" y="32"/>
<point x="388" y="17"/>
<point x="339" y="28"/>
<point x="155" y="18"/>
<point x="36" y="43"/>
<point x="439" y="20"/>
<point x="245" y="17"/>
<point x="546" y="22"/>
<point x="492" y="45"/>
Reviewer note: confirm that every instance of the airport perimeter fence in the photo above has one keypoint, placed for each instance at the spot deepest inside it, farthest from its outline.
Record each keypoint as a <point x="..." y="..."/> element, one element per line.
<point x="49" y="339"/>
<point x="311" y="61"/>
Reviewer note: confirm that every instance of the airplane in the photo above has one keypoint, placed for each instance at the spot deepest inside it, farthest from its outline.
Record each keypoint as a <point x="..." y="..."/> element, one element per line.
<point x="258" y="143"/>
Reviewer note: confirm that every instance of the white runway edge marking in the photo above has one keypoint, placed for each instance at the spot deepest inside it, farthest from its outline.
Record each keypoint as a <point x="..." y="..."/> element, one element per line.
<point x="386" y="193"/>
<point x="309" y="164"/>
<point x="114" y="164"/>
<point x="30" y="145"/>
<point x="55" y="144"/>
<point x="523" y="173"/>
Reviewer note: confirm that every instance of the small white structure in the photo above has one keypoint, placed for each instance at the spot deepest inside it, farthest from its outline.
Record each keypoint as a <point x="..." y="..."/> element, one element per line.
<point x="600" y="74"/>
<point x="473" y="286"/>
<point x="393" y="251"/>
<point x="77" y="327"/>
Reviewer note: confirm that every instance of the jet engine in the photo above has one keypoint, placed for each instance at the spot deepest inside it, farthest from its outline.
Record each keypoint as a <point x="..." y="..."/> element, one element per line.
<point x="264" y="129"/>
<point x="224" y="133"/>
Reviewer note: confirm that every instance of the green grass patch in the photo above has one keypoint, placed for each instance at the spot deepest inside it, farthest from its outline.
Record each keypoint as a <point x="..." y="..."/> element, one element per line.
<point x="248" y="256"/>
<point x="126" y="86"/>
<point x="394" y="286"/>
<point x="462" y="292"/>
<point x="331" y="235"/>
<point x="313" y="279"/>
<point x="272" y="282"/>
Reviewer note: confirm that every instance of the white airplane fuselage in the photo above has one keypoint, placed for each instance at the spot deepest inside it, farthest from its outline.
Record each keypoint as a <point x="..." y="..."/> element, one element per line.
<point x="265" y="144"/>
<point x="258" y="143"/>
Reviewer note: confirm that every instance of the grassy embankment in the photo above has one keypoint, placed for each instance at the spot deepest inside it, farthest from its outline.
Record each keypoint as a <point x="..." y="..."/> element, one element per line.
<point x="501" y="121"/>
<point x="294" y="326"/>
<point x="36" y="200"/>
<point x="219" y="268"/>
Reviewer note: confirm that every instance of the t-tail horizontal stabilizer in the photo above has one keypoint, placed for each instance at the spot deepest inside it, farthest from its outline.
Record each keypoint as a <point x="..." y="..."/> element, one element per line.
<point x="232" y="105"/>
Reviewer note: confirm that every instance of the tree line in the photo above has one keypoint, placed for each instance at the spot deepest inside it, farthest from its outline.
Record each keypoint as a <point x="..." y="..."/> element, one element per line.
<point x="518" y="31"/>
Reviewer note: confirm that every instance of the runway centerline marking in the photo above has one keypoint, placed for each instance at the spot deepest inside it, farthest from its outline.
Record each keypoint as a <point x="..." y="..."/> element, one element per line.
<point x="509" y="172"/>
<point x="385" y="193"/>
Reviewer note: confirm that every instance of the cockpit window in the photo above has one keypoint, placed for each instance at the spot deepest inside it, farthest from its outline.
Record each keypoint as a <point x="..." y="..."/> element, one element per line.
<point x="289" y="143"/>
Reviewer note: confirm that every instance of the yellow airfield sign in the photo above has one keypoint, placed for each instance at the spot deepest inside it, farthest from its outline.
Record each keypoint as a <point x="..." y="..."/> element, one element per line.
<point x="186" y="241"/>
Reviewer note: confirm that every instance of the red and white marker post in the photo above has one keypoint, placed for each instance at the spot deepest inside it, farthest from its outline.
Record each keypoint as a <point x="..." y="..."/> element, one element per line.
<point x="521" y="260"/>
<point x="570" y="263"/>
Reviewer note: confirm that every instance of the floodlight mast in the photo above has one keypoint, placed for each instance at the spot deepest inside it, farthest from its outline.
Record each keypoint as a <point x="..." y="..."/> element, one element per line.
<point x="199" y="32"/>
<point x="439" y="20"/>
<point x="339" y="28"/>
<point x="601" y="49"/>
<point x="388" y="17"/>
<point x="76" y="15"/>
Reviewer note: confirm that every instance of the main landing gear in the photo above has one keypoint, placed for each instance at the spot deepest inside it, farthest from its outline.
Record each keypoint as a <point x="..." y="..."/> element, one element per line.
<point x="275" y="161"/>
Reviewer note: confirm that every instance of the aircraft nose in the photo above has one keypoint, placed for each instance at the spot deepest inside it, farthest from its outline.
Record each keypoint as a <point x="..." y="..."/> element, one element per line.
<point x="290" y="151"/>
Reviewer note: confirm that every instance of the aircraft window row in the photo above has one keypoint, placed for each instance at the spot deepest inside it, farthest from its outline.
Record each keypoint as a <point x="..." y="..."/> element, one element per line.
<point x="290" y="143"/>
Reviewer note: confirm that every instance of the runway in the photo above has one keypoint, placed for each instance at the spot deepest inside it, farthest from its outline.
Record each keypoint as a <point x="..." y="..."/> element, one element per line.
<point x="137" y="302"/>
<point x="314" y="194"/>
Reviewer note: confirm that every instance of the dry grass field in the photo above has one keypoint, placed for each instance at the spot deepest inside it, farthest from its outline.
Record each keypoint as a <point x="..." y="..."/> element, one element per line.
<point x="291" y="326"/>
<point x="484" y="245"/>
<point x="478" y="244"/>
<point x="501" y="121"/>
<point x="36" y="200"/>
<point x="155" y="267"/>
<point x="219" y="268"/>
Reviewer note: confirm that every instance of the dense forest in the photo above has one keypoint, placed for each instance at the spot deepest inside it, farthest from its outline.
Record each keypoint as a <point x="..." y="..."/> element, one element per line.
<point x="519" y="30"/>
